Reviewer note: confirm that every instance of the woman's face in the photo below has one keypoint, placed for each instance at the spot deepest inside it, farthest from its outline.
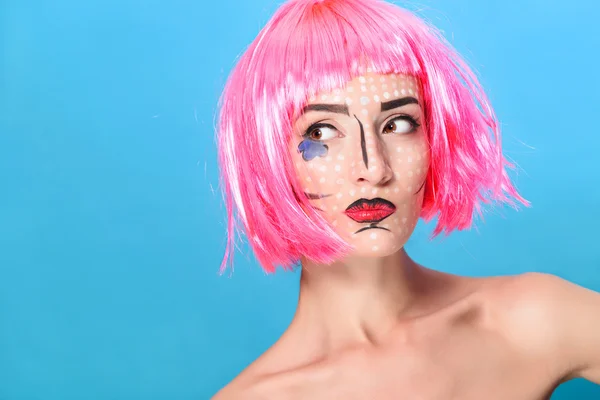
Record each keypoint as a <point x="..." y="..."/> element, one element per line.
<point x="361" y="155"/>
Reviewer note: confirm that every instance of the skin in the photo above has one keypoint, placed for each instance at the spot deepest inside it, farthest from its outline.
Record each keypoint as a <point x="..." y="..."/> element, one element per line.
<point x="377" y="325"/>
<point x="371" y="145"/>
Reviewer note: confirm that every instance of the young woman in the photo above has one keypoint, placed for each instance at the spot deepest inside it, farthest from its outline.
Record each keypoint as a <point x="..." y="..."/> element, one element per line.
<point x="343" y="123"/>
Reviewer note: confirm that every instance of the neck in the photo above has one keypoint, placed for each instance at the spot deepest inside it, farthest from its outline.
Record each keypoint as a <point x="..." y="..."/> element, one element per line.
<point x="357" y="300"/>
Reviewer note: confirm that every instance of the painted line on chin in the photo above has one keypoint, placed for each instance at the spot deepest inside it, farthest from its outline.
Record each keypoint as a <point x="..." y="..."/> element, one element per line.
<point x="372" y="226"/>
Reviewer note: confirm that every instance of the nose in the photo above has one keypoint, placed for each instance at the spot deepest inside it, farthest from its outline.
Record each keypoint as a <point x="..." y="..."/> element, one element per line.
<point x="371" y="165"/>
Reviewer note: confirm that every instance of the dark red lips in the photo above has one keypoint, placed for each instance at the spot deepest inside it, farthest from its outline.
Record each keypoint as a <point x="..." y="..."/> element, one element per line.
<point x="368" y="211"/>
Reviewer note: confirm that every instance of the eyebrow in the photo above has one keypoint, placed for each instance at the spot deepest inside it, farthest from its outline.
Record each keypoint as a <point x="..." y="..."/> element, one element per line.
<point x="334" y="108"/>
<point x="388" y="105"/>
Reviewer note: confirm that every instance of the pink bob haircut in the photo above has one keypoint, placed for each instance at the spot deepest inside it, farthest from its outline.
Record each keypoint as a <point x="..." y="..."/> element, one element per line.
<point x="310" y="46"/>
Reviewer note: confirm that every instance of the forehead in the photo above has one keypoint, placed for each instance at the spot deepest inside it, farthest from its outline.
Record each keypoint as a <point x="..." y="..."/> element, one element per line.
<point x="385" y="86"/>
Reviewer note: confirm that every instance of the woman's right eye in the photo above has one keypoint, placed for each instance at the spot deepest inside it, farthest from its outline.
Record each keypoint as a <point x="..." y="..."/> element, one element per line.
<point x="321" y="132"/>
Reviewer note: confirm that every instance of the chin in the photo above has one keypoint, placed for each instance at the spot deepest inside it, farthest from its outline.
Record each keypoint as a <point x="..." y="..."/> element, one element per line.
<point x="380" y="249"/>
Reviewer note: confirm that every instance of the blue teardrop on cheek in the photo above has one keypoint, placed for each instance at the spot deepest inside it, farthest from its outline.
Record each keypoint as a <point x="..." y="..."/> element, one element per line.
<point x="311" y="149"/>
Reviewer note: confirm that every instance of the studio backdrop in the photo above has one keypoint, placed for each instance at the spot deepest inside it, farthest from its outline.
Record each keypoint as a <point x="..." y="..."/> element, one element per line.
<point x="112" y="224"/>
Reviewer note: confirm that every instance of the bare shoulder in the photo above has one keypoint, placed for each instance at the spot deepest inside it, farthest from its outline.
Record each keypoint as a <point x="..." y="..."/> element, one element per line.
<point x="259" y="380"/>
<point x="527" y="300"/>
<point x="230" y="392"/>
<point x="289" y="384"/>
<point x="522" y="304"/>
<point x="250" y="384"/>
<point x="247" y="385"/>
<point x="550" y="318"/>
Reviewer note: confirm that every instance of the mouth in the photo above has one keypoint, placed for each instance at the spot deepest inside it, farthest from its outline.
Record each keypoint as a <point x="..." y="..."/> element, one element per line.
<point x="370" y="211"/>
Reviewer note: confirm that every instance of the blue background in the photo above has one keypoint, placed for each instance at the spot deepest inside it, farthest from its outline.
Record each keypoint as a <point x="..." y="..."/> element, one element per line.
<point x="111" y="225"/>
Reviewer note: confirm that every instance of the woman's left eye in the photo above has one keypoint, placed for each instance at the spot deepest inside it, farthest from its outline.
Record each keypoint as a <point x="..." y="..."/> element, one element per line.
<point x="400" y="125"/>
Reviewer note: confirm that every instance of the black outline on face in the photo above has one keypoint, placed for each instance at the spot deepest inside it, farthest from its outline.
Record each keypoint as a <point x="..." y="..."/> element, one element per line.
<point x="372" y="226"/>
<point x="422" y="186"/>
<point x="363" y="143"/>
<point x="314" y="196"/>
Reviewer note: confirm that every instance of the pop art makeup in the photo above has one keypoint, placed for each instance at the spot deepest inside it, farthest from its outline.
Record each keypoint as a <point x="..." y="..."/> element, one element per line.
<point x="361" y="155"/>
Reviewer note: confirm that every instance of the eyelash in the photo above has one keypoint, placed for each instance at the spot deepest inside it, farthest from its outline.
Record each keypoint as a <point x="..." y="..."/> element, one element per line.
<point x="317" y="125"/>
<point x="404" y="117"/>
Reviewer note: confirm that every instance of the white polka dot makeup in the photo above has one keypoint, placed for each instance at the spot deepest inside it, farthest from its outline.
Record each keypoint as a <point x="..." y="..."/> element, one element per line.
<point x="362" y="156"/>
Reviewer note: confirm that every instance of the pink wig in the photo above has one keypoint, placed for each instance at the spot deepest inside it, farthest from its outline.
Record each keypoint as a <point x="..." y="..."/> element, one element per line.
<point x="311" y="46"/>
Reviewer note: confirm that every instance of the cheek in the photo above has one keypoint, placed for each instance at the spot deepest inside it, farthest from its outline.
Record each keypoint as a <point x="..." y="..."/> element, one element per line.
<point x="410" y="162"/>
<point x="324" y="174"/>
<point x="330" y="176"/>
